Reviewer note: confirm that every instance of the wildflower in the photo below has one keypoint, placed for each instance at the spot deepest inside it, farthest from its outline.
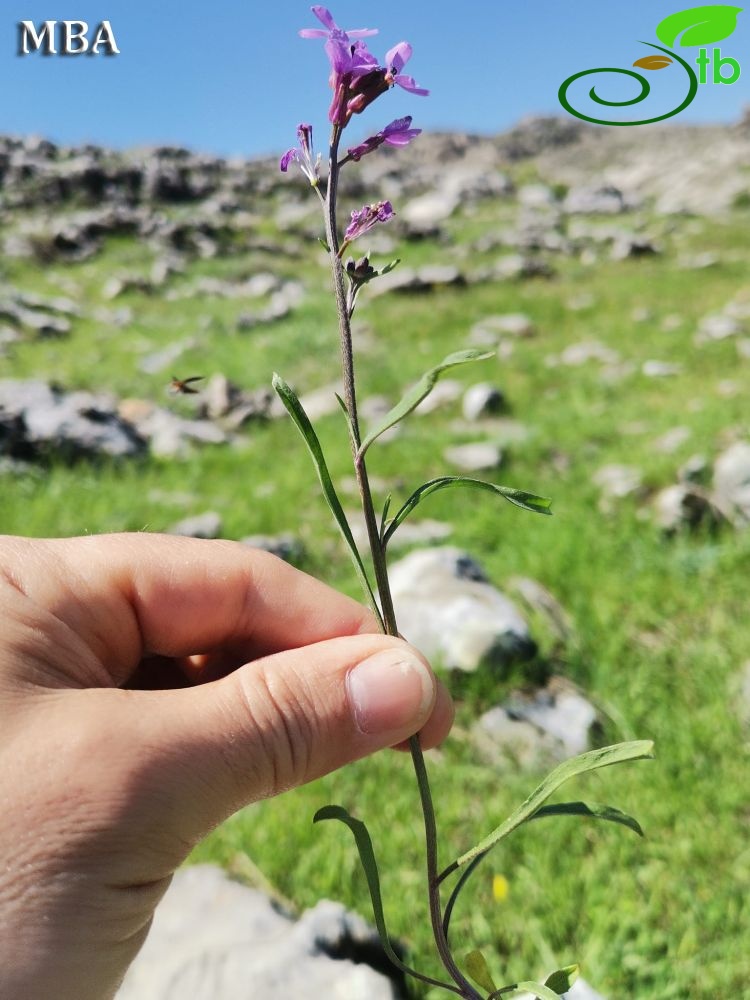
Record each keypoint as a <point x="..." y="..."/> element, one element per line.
<point x="332" y="29"/>
<point x="500" y="888"/>
<point x="304" y="156"/>
<point x="395" y="60"/>
<point x="356" y="78"/>
<point x="397" y="133"/>
<point x="367" y="217"/>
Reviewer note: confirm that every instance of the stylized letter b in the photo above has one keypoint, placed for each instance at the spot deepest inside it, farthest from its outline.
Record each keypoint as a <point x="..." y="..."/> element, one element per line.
<point x="726" y="61"/>
<point x="70" y="37"/>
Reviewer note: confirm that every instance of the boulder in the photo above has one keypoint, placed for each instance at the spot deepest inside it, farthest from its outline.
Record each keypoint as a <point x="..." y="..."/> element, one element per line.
<point x="215" y="939"/>
<point x="537" y="728"/>
<point x="207" y="525"/>
<point x="447" y="607"/>
<point x="732" y="481"/>
<point x="37" y="420"/>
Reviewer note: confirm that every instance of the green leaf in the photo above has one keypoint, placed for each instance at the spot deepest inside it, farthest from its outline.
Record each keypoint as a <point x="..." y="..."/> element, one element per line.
<point x="302" y="421"/>
<point x="384" y="516"/>
<point x="562" y="980"/>
<point x="418" y="392"/>
<point x="369" y="864"/>
<point x="699" y="25"/>
<point x="591" y="761"/>
<point x="593" y="810"/>
<point x="529" y="501"/>
<point x="536" y="989"/>
<point x="479" y="971"/>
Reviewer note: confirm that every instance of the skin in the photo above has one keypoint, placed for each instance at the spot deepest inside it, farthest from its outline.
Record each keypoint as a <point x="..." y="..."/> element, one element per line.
<point x="150" y="686"/>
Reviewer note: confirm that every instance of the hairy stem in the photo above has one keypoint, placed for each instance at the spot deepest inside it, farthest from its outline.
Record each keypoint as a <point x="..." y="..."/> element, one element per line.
<point x="379" y="559"/>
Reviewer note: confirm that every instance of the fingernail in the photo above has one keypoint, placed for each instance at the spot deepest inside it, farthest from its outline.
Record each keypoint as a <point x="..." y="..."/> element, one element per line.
<point x="389" y="690"/>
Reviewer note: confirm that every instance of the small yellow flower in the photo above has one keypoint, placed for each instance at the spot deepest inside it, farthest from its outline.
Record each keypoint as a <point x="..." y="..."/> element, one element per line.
<point x="500" y="888"/>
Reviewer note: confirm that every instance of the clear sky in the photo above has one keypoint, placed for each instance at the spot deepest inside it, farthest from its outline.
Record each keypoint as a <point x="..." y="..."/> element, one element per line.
<point x="233" y="77"/>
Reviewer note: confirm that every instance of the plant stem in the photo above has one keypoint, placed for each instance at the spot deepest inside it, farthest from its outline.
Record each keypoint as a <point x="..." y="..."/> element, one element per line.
<point x="379" y="558"/>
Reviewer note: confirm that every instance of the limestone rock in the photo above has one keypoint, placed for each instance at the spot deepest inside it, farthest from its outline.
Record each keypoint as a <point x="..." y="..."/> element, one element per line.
<point x="207" y="525"/>
<point x="483" y="400"/>
<point x="38" y="419"/>
<point x="477" y="456"/>
<point x="732" y="481"/>
<point x="286" y="546"/>
<point x="446" y="606"/>
<point x="684" y="505"/>
<point x="214" y="939"/>
<point x="534" y="729"/>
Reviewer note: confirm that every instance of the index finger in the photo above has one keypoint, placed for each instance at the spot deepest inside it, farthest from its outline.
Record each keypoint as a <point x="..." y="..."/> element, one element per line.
<point x="132" y="595"/>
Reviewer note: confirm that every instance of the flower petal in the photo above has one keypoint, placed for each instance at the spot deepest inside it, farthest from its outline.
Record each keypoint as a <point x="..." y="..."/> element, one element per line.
<point x="361" y="32"/>
<point x="410" y="84"/>
<point x="286" y="159"/>
<point x="397" y="57"/>
<point x="397" y="125"/>
<point x="313" y="33"/>
<point x="402" y="138"/>
<point x="339" y="54"/>
<point x="325" y="17"/>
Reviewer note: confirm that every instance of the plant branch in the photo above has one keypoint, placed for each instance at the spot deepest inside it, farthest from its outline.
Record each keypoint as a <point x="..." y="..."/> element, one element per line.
<point x="377" y="550"/>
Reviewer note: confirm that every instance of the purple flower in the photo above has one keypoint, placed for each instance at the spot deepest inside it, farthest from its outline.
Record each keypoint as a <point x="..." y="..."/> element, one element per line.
<point x="395" y="60"/>
<point x="397" y="133"/>
<point x="367" y="217"/>
<point x="356" y="77"/>
<point x="304" y="155"/>
<point x="325" y="17"/>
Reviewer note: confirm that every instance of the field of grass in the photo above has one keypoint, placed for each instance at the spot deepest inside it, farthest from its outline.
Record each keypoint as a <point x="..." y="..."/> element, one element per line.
<point x="661" y="625"/>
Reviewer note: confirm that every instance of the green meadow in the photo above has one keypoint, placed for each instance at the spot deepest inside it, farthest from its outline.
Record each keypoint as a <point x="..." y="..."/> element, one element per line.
<point x="660" y="624"/>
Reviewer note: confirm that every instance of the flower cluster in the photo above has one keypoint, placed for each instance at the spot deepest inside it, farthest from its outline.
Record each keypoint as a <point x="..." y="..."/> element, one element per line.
<point x="356" y="77"/>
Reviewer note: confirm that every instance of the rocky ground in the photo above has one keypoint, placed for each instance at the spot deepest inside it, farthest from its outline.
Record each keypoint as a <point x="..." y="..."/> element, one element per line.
<point x="606" y="270"/>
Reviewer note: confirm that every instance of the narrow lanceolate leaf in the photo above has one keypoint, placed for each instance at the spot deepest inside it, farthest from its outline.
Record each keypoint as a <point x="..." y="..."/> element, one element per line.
<point x="699" y="25"/>
<point x="529" y="501"/>
<point x="591" y="761"/>
<point x="562" y="980"/>
<point x="653" y="62"/>
<point x="537" y="990"/>
<point x="302" y="421"/>
<point x="369" y="864"/>
<point x="479" y="971"/>
<point x="418" y="392"/>
<point x="593" y="810"/>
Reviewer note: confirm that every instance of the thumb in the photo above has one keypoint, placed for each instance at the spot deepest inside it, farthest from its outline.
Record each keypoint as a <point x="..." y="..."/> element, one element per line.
<point x="278" y="722"/>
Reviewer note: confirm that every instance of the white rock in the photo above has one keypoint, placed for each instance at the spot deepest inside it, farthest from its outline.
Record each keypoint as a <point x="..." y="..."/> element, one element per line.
<point x="552" y="724"/>
<point x="478" y="456"/>
<point x="732" y="480"/>
<point x="617" y="481"/>
<point x="482" y="400"/>
<point x="660" y="369"/>
<point x="448" y="609"/>
<point x="214" y="939"/>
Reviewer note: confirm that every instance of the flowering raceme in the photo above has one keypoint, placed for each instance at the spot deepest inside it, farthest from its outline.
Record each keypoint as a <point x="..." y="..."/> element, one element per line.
<point x="356" y="77"/>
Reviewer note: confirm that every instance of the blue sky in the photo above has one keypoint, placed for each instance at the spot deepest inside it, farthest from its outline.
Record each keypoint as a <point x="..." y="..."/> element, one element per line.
<point x="233" y="77"/>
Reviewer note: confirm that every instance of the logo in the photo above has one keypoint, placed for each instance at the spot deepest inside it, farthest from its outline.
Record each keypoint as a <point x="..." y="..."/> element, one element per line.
<point x="698" y="26"/>
<point x="70" y="39"/>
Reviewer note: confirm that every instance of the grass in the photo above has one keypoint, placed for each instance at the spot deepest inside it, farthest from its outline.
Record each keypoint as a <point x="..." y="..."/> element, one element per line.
<point x="661" y="626"/>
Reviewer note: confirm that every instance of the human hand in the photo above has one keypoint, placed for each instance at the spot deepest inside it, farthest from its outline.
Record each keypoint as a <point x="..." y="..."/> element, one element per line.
<point x="261" y="678"/>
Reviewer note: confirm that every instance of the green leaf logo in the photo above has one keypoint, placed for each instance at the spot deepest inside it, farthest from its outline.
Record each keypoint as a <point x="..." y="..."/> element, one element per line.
<point x="699" y="25"/>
